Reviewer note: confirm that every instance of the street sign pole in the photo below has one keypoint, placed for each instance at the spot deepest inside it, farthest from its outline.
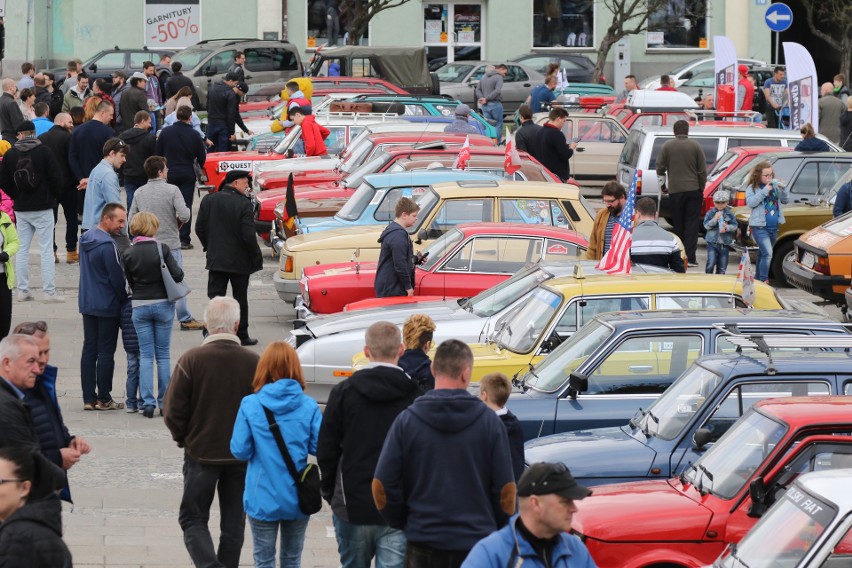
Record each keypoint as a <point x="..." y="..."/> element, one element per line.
<point x="778" y="18"/>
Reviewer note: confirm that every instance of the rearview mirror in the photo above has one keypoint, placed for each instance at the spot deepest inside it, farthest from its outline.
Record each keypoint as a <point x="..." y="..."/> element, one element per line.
<point x="578" y="382"/>
<point x="702" y="437"/>
<point x="757" y="493"/>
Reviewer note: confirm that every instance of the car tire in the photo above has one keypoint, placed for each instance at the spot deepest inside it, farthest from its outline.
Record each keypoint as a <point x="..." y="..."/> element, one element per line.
<point x="781" y="251"/>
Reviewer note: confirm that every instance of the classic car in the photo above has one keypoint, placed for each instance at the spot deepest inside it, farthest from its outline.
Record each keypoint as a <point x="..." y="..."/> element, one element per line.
<point x="331" y="84"/>
<point x="460" y="263"/>
<point x="821" y="262"/>
<point x="729" y="163"/>
<point x="442" y="207"/>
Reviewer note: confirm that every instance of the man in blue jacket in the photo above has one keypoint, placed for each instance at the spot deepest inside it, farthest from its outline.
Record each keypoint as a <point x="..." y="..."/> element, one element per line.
<point x="395" y="269"/>
<point x="540" y="534"/>
<point x="103" y="291"/>
<point x="445" y="473"/>
<point x="103" y="187"/>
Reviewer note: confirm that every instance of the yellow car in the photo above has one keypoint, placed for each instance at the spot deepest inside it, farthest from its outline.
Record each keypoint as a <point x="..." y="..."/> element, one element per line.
<point x="561" y="306"/>
<point x="442" y="206"/>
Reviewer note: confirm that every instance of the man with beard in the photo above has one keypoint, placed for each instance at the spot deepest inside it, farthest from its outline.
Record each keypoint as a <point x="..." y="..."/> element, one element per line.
<point x="614" y="197"/>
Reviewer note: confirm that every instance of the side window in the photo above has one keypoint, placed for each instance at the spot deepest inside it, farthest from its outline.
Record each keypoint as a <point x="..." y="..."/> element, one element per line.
<point x="137" y="58"/>
<point x="590" y="130"/>
<point x="711" y="149"/>
<point x="674" y="302"/>
<point x="259" y="59"/>
<point x="332" y="67"/>
<point x="558" y="217"/>
<point x="743" y="397"/>
<point x="222" y="61"/>
<point x="528" y="211"/>
<point x="363" y="67"/>
<point x="847" y="388"/>
<point x="595" y="306"/>
<point x="567" y="129"/>
<point x="814" y="457"/>
<point x="784" y="169"/>
<point x="808" y="180"/>
<point x="647" y="120"/>
<point x="842" y="553"/>
<point x="457" y="211"/>
<point x="502" y="255"/>
<point x="516" y="75"/>
<point x="354" y="132"/>
<point x="385" y="211"/>
<point x="114" y="61"/>
<point x="647" y="364"/>
<point x="736" y="142"/>
<point x="556" y="250"/>
<point x="284" y="60"/>
<point x="336" y="140"/>
<point x="655" y="151"/>
<point x="416" y="110"/>
<point x="829" y="173"/>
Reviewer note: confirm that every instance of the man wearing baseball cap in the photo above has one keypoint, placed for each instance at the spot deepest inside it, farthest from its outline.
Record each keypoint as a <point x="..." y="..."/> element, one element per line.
<point x="745" y="90"/>
<point x="539" y="535"/>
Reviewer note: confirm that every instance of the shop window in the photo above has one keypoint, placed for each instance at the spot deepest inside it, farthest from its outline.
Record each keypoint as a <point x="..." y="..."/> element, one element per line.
<point x="563" y="23"/>
<point x="681" y="24"/>
<point x="327" y="24"/>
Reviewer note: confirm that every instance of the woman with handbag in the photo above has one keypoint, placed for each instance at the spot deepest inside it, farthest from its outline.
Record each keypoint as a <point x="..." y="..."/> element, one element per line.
<point x="276" y="429"/>
<point x="152" y="273"/>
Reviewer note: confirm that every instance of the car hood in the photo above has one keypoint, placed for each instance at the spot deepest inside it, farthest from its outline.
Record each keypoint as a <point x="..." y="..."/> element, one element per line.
<point x="340" y="269"/>
<point x="448" y="310"/>
<point x="240" y="157"/>
<point x="598" y="453"/>
<point x="317" y="224"/>
<point x="648" y="511"/>
<point x="335" y="239"/>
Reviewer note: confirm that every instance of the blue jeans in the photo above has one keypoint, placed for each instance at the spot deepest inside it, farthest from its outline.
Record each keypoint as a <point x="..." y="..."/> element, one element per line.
<point x="264" y="534"/>
<point x="132" y="385"/>
<point x="153" y="323"/>
<point x="765" y="239"/>
<point x="717" y="258"/>
<point x="181" y="306"/>
<point x="493" y="112"/>
<point x="357" y="544"/>
<point x="40" y="223"/>
<point x="130" y="187"/>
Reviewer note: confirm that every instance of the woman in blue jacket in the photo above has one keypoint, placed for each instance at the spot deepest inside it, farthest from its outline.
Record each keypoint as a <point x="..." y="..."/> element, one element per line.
<point x="270" y="499"/>
<point x="764" y="196"/>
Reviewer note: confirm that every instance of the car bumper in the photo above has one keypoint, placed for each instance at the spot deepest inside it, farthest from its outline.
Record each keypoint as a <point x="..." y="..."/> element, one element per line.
<point x="821" y="285"/>
<point x="302" y="311"/>
<point x="288" y="290"/>
<point x="848" y="297"/>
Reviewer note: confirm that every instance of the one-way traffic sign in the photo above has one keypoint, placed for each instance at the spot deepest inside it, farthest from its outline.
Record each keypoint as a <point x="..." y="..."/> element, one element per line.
<point x="779" y="17"/>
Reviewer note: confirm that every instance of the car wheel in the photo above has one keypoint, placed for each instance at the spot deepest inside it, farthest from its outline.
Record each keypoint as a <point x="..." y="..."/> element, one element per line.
<point x="782" y="251"/>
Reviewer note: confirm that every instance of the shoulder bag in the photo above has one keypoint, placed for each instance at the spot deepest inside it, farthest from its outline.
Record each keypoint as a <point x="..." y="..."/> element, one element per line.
<point x="307" y="481"/>
<point x="174" y="290"/>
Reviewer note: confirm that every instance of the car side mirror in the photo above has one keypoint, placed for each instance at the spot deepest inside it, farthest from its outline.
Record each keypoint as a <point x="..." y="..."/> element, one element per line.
<point x="422" y="235"/>
<point x="551" y="343"/>
<point x="685" y="76"/>
<point x="702" y="437"/>
<point x="578" y="382"/>
<point x="94" y="67"/>
<point x="211" y="70"/>
<point x="757" y="493"/>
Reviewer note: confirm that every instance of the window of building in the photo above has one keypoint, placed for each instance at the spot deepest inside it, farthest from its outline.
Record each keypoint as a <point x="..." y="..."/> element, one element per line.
<point x="452" y="31"/>
<point x="327" y="24"/>
<point x="681" y="24"/>
<point x="563" y="23"/>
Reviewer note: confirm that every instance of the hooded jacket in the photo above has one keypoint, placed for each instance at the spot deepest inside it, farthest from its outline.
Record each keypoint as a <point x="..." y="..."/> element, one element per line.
<point x="103" y="289"/>
<point x="142" y="146"/>
<point x="314" y="135"/>
<point x="417" y="365"/>
<point x="358" y="415"/>
<point x="491" y="87"/>
<point x="131" y="101"/>
<point x="270" y="493"/>
<point x="395" y="269"/>
<point x="445" y="472"/>
<point x="48" y="176"/>
<point x="32" y="537"/>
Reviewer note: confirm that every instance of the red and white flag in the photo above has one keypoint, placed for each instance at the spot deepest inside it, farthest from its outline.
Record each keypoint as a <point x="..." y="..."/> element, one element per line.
<point x="464" y="155"/>
<point x="512" y="163"/>
<point x="616" y="260"/>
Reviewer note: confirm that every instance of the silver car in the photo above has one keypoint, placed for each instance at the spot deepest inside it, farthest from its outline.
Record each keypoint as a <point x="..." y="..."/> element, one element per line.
<point x="326" y="344"/>
<point x="459" y="80"/>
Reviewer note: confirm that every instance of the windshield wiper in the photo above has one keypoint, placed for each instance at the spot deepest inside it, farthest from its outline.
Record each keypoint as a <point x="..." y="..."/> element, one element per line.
<point x="709" y="477"/>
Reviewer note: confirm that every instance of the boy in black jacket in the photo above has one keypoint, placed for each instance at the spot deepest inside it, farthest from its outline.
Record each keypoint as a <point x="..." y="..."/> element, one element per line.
<point x="395" y="270"/>
<point x="494" y="391"/>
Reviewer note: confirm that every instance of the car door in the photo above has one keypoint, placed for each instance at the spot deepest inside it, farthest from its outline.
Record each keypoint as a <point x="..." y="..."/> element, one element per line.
<point x="601" y="139"/>
<point x="815" y="178"/>
<point x="516" y="88"/>
<point x="628" y="376"/>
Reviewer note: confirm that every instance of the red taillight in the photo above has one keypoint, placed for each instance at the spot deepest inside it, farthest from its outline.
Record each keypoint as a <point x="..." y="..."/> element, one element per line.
<point x="638" y="182"/>
<point x="739" y="200"/>
<point x="821" y="265"/>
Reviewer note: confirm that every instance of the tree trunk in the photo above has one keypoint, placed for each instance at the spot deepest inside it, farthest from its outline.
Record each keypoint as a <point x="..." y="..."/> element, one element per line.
<point x="608" y="41"/>
<point x="846" y="57"/>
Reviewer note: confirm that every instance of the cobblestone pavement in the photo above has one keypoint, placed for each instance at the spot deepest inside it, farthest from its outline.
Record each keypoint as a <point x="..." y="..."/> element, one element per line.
<point x="127" y="491"/>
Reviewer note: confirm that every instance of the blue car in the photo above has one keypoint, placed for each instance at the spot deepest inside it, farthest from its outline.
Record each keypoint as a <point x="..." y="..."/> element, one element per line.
<point x="620" y="362"/>
<point x="374" y="201"/>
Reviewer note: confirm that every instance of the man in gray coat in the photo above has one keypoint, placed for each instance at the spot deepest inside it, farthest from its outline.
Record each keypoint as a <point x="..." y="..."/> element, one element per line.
<point x="830" y="110"/>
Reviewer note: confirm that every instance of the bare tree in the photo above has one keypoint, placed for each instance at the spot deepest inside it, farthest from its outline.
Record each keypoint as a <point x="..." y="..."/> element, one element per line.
<point x="358" y="14"/>
<point x="835" y="16"/>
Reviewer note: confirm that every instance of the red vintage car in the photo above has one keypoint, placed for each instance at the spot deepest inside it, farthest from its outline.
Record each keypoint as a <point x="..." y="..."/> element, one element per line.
<point x="727" y="164"/>
<point x="463" y="262"/>
<point x="324" y="86"/>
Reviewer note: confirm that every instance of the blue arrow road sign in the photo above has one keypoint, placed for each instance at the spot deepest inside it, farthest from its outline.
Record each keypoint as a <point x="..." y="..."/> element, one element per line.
<point x="779" y="17"/>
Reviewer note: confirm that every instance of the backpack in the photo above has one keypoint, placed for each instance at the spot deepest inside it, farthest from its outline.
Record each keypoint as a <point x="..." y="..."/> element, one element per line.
<point x="25" y="175"/>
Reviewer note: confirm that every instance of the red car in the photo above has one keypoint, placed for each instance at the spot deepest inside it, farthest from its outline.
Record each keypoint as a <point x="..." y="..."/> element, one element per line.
<point x="326" y="85"/>
<point x="463" y="262"/>
<point x="728" y="163"/>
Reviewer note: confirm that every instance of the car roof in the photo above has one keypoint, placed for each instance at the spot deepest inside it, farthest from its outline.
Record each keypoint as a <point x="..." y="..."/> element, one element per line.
<point x="800" y="411"/>
<point x="708" y="317"/>
<point x="784" y="362"/>
<point x="761" y="149"/>
<point x="829" y="485"/>
<point x="535" y="229"/>
<point x="712" y="130"/>
<point x="531" y="189"/>
<point x="648" y="283"/>
<point x="423" y="177"/>
<point x="431" y="136"/>
<point x="474" y="150"/>
<point x="398" y="98"/>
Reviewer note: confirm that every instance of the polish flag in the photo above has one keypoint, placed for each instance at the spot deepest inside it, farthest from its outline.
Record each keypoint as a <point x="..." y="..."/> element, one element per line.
<point x="464" y="155"/>
<point x="512" y="163"/>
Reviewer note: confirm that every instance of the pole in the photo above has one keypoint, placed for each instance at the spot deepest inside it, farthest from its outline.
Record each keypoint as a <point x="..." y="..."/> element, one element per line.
<point x="776" y="47"/>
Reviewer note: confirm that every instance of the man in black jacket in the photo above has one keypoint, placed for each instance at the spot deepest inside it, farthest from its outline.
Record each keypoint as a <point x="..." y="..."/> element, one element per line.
<point x="142" y="146"/>
<point x="178" y="80"/>
<point x="358" y="415"/>
<point x="225" y="228"/>
<point x="525" y="135"/>
<point x="10" y="112"/>
<point x="551" y="148"/>
<point x="132" y="101"/>
<point x="46" y="93"/>
<point x="31" y="176"/>
<point x="222" y="107"/>
<point x="180" y="145"/>
<point x="58" y="140"/>
<point x="18" y="370"/>
<point x="395" y="270"/>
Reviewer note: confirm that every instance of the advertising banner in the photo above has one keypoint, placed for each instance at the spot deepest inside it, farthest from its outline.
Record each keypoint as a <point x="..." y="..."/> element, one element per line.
<point x="172" y="23"/>
<point x="801" y="86"/>
<point x="726" y="73"/>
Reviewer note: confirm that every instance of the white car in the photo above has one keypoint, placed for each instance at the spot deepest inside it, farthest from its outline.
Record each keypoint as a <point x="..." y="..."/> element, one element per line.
<point x="694" y="67"/>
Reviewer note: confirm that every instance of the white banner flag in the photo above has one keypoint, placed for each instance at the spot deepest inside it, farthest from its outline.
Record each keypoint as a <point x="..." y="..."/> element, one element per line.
<point x="802" y="86"/>
<point x="725" y="55"/>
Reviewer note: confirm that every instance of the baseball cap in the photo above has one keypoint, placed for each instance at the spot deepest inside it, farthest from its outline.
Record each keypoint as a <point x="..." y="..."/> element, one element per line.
<point x="721" y="195"/>
<point x="25" y="126"/>
<point x="462" y="110"/>
<point x="234" y="175"/>
<point x="743" y="69"/>
<point x="546" y="478"/>
<point x="139" y="75"/>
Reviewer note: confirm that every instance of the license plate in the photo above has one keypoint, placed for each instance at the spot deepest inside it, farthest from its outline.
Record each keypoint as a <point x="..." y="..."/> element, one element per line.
<point x="808" y="260"/>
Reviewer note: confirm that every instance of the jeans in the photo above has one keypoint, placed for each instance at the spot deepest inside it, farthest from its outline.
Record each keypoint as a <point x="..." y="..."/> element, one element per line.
<point x="686" y="216"/>
<point x="493" y="112"/>
<point x="39" y="223"/>
<point x="765" y="238"/>
<point x="181" y="306"/>
<point x="423" y="556"/>
<point x="97" y="362"/>
<point x="187" y="190"/>
<point x="153" y="323"/>
<point x="130" y="187"/>
<point x="717" y="258"/>
<point x="358" y="544"/>
<point x="264" y="534"/>
<point x="217" y="132"/>
<point x="68" y="201"/>
<point x="200" y="483"/>
<point x="131" y="386"/>
<point x="217" y="285"/>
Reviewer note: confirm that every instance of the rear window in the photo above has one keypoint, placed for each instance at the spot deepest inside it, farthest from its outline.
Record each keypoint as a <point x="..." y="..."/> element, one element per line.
<point x="630" y="152"/>
<point x="736" y="142"/>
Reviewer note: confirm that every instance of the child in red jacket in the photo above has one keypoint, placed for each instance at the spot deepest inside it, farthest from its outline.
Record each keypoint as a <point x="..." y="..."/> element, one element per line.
<point x="313" y="134"/>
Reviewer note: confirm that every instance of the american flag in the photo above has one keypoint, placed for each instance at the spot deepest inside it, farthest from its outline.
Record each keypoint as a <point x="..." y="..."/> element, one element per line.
<point x="617" y="258"/>
<point x="464" y="155"/>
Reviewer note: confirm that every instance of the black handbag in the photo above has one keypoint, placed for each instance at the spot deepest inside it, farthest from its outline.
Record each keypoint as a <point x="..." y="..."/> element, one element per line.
<point x="307" y="480"/>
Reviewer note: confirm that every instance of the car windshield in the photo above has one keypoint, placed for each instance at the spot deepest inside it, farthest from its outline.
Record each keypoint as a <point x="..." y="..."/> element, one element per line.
<point x="453" y="73"/>
<point x="552" y="373"/>
<point x="844" y="179"/>
<point x="731" y="462"/>
<point x="288" y="141"/>
<point x="497" y="298"/>
<point x="355" y="205"/>
<point x="668" y="415"/>
<point x="520" y="330"/>
<point x="784" y="535"/>
<point x="354" y="179"/>
<point x="738" y="177"/>
<point x="439" y="248"/>
<point x="721" y="166"/>
<point x="355" y="156"/>
<point x="190" y="58"/>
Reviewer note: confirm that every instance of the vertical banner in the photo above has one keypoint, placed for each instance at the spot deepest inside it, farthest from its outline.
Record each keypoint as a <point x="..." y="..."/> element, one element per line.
<point x="726" y="74"/>
<point x="801" y="86"/>
<point x="172" y="23"/>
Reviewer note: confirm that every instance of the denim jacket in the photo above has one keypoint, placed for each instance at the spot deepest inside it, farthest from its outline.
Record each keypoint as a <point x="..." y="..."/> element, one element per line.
<point x="729" y="220"/>
<point x="754" y="200"/>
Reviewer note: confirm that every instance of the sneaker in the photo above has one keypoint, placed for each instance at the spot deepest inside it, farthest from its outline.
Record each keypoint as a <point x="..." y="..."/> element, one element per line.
<point x="24" y="296"/>
<point x="186" y="246"/>
<point x="71" y="257"/>
<point x="54" y="299"/>
<point x="148" y="412"/>
<point x="109" y="405"/>
<point x="693" y="264"/>
<point x="131" y="410"/>
<point x="89" y="405"/>
<point x="191" y="324"/>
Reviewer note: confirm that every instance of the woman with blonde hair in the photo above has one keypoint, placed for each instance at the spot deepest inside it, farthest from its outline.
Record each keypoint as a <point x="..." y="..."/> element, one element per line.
<point x="764" y="196"/>
<point x="417" y="335"/>
<point x="810" y="143"/>
<point x="171" y="103"/>
<point x="270" y="498"/>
